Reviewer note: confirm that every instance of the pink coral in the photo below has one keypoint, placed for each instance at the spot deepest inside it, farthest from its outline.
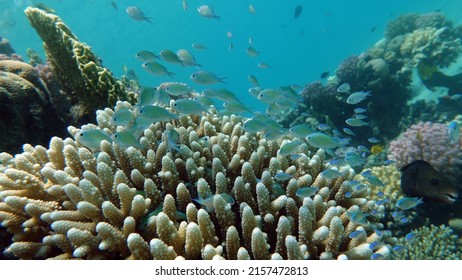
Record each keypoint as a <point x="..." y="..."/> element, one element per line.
<point x="430" y="142"/>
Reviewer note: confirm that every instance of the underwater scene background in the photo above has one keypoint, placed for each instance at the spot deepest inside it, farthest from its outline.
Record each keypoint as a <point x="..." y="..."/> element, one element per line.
<point x="230" y="129"/>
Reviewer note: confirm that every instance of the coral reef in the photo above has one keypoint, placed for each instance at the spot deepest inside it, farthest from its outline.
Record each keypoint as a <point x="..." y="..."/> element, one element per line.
<point x="5" y="47"/>
<point x="69" y="202"/>
<point x="407" y="23"/>
<point x="90" y="85"/>
<point x="27" y="112"/>
<point x="431" y="243"/>
<point x="430" y="142"/>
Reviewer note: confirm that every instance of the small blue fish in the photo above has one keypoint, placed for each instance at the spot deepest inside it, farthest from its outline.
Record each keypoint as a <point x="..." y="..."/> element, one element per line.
<point x="278" y="190"/>
<point x="360" y="117"/>
<point x="406" y="203"/>
<point x="456" y="96"/>
<point x="282" y="176"/>
<point x="389" y="161"/>
<point x="358" y="217"/>
<point x="321" y="140"/>
<point x="354" y="159"/>
<point x="379" y="233"/>
<point x="360" y="187"/>
<point x="382" y="202"/>
<point x="91" y="138"/>
<point x="371" y="179"/>
<point x="374" y="245"/>
<point x="356" y="234"/>
<point x="301" y="130"/>
<point x="337" y="162"/>
<point x="323" y="127"/>
<point x="189" y="107"/>
<point x="306" y="192"/>
<point x="349" y="131"/>
<point x="359" y="110"/>
<point x="172" y="139"/>
<point x="410" y="237"/>
<point x="397" y="215"/>
<point x="363" y="149"/>
<point x="344" y="88"/>
<point x="377" y="256"/>
<point x="122" y="117"/>
<point x="373" y="140"/>
<point x="331" y="174"/>
<point x="348" y="194"/>
<point x="126" y="139"/>
<point x="355" y="122"/>
<point x="380" y="194"/>
<point x="399" y="248"/>
<point x="454" y="132"/>
<point x="207" y="203"/>
<point x="295" y="156"/>
<point x="357" y="97"/>
<point x="289" y="148"/>
<point x="404" y="220"/>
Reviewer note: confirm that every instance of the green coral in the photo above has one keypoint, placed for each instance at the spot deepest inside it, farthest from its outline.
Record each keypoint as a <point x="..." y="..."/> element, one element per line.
<point x="431" y="46"/>
<point x="78" y="70"/>
<point x="407" y="23"/>
<point x="432" y="243"/>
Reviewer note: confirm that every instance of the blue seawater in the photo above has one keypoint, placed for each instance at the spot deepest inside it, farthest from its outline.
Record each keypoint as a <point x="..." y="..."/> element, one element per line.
<point x="297" y="50"/>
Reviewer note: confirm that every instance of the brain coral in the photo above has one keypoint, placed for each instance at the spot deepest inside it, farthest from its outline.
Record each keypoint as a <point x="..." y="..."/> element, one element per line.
<point x="430" y="142"/>
<point x="68" y="202"/>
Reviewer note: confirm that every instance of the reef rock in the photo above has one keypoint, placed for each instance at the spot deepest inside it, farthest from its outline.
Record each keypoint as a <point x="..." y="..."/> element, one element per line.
<point x="26" y="112"/>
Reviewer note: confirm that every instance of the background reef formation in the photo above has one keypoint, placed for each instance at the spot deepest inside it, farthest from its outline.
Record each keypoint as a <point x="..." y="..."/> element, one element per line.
<point x="69" y="202"/>
<point x="28" y="109"/>
<point x="425" y="42"/>
<point x="78" y="70"/>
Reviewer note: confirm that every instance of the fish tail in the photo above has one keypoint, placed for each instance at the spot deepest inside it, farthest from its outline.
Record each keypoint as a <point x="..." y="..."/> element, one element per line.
<point x="148" y="19"/>
<point x="217" y="17"/>
<point x="221" y="79"/>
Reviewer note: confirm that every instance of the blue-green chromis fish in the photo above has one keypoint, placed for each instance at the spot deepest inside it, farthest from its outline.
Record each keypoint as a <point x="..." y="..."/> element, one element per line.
<point x="189" y="106"/>
<point x="207" y="203"/>
<point x="321" y="140"/>
<point x="406" y="203"/>
<point x="306" y="192"/>
<point x="145" y="56"/>
<point x="206" y="78"/>
<point x="454" y="132"/>
<point x="156" y="69"/>
<point x="126" y="139"/>
<point x="170" y="57"/>
<point x="156" y="113"/>
<point x="355" y="122"/>
<point x="136" y="14"/>
<point x="357" y="97"/>
<point x="122" y="117"/>
<point x="91" y="138"/>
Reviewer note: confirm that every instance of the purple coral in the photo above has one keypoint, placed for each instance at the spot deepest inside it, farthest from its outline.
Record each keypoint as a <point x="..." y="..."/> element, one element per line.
<point x="430" y="142"/>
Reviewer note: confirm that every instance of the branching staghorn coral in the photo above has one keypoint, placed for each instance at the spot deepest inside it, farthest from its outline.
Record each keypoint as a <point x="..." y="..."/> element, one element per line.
<point x="69" y="202"/>
<point x="79" y="71"/>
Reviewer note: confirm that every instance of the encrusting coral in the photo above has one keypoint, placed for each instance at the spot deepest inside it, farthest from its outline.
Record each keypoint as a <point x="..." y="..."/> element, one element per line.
<point x="79" y="71"/>
<point x="69" y="202"/>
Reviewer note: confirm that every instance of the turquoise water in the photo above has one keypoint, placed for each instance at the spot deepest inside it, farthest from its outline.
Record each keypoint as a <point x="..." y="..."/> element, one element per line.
<point x="297" y="50"/>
